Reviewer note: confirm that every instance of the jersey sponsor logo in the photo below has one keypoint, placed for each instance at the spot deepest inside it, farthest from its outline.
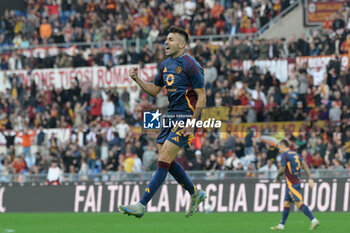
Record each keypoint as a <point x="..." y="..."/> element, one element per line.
<point x="171" y="89"/>
<point x="178" y="69"/>
<point x="165" y="70"/>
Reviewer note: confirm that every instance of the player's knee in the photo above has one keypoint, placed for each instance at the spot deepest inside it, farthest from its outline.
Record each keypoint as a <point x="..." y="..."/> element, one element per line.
<point x="299" y="204"/>
<point x="164" y="165"/>
<point x="164" y="157"/>
<point x="286" y="204"/>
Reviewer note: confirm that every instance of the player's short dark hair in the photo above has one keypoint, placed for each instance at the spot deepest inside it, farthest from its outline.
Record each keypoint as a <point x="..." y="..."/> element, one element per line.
<point x="181" y="31"/>
<point x="285" y="142"/>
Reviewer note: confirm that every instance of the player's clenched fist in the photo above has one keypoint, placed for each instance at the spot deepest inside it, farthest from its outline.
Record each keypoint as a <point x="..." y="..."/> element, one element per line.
<point x="134" y="72"/>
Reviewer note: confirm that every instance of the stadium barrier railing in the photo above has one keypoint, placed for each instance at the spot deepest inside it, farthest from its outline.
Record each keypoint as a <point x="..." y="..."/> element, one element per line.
<point x="145" y="176"/>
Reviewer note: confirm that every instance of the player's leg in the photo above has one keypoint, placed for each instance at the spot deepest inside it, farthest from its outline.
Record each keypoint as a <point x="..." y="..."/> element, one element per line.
<point x="179" y="174"/>
<point x="166" y="156"/>
<point x="314" y="222"/>
<point x="288" y="198"/>
<point x="285" y="212"/>
<point x="177" y="171"/>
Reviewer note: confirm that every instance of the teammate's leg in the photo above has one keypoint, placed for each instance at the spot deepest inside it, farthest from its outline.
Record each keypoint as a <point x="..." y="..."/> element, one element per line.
<point x="314" y="222"/>
<point x="166" y="156"/>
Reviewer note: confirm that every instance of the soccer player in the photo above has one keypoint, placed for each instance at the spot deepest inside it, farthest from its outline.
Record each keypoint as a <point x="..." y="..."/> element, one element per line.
<point x="294" y="162"/>
<point x="183" y="78"/>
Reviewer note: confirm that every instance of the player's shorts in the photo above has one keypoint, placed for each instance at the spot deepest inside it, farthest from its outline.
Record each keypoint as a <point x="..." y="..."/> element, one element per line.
<point x="173" y="133"/>
<point x="293" y="193"/>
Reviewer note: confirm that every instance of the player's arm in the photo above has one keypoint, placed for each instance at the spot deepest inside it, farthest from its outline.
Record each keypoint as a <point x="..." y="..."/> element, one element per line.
<point x="149" y="88"/>
<point x="196" y="74"/>
<point x="308" y="173"/>
<point x="201" y="102"/>
<point x="280" y="173"/>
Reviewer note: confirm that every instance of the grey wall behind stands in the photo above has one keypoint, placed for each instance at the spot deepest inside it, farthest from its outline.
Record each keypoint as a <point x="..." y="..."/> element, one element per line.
<point x="11" y="5"/>
<point x="223" y="196"/>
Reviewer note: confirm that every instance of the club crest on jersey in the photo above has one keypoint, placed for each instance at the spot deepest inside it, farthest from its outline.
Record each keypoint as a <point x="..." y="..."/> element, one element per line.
<point x="178" y="69"/>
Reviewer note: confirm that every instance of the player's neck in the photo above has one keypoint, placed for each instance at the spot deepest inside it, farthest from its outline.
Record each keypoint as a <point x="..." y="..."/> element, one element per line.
<point x="180" y="53"/>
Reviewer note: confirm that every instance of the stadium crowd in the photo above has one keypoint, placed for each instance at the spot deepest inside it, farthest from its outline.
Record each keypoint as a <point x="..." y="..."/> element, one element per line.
<point x="333" y="38"/>
<point x="63" y="21"/>
<point x="105" y="117"/>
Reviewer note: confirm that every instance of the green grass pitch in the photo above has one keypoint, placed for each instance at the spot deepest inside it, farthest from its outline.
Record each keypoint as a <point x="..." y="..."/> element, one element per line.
<point x="166" y="223"/>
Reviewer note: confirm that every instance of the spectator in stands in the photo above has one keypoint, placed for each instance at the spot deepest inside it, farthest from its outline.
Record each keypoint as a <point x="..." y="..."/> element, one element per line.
<point x="53" y="175"/>
<point x="270" y="169"/>
<point x="182" y="160"/>
<point x="335" y="112"/>
<point x="26" y="146"/>
<point x="137" y="167"/>
<point x="95" y="105"/>
<point x="232" y="162"/>
<point x="122" y="129"/>
<point x="19" y="164"/>
<point x="128" y="162"/>
<point x="45" y="30"/>
<point x="107" y="107"/>
<point x="197" y="163"/>
<point x="149" y="158"/>
<point x="317" y="160"/>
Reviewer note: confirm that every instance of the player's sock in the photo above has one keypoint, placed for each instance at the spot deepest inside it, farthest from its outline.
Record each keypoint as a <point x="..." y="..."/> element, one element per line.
<point x="285" y="214"/>
<point x="157" y="180"/>
<point x="177" y="171"/>
<point x="307" y="211"/>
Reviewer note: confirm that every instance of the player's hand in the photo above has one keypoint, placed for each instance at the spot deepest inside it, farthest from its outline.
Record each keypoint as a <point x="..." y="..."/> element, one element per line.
<point x="134" y="73"/>
<point x="311" y="183"/>
<point x="187" y="131"/>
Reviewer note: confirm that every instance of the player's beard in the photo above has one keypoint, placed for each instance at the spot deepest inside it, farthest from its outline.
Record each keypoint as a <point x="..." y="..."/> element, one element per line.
<point x="171" y="52"/>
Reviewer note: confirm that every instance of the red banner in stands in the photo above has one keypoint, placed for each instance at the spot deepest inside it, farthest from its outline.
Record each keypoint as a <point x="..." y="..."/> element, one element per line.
<point x="317" y="11"/>
<point x="96" y="77"/>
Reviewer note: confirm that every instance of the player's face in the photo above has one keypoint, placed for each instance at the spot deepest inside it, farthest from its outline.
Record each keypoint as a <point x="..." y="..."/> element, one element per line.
<point x="173" y="44"/>
<point x="281" y="148"/>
